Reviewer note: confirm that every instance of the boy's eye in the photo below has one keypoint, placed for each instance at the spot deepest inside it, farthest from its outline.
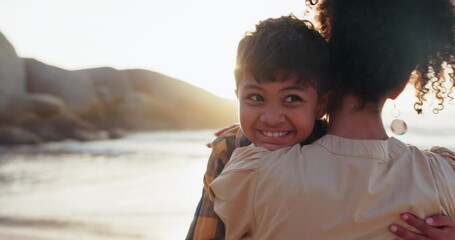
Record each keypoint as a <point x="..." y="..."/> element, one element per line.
<point x="256" y="98"/>
<point x="293" y="98"/>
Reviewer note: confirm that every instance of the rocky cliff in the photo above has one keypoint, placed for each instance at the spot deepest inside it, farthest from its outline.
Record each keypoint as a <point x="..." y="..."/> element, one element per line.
<point x="40" y="102"/>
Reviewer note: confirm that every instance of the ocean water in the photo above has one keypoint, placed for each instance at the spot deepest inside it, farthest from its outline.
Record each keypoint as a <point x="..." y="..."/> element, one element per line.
<point x="144" y="186"/>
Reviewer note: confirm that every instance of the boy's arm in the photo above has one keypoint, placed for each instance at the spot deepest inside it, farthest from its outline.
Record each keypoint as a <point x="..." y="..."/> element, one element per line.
<point x="206" y="224"/>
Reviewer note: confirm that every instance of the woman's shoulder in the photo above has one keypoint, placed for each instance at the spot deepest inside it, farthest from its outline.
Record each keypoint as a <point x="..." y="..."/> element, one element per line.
<point x="440" y="160"/>
<point x="252" y="157"/>
<point x="441" y="157"/>
<point x="444" y="152"/>
<point x="435" y="152"/>
<point x="248" y="157"/>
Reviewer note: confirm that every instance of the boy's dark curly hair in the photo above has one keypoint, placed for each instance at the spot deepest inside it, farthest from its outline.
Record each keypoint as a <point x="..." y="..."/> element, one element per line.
<point x="284" y="47"/>
<point x="375" y="45"/>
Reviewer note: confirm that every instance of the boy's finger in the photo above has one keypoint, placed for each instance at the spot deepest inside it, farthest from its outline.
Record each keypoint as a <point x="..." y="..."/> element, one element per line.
<point x="421" y="225"/>
<point x="440" y="220"/>
<point x="405" y="234"/>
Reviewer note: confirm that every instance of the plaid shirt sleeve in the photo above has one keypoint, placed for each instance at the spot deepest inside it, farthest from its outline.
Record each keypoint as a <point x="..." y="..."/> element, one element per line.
<point x="206" y="224"/>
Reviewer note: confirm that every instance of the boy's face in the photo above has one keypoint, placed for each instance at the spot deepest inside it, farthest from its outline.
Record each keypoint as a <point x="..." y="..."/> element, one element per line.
<point x="277" y="114"/>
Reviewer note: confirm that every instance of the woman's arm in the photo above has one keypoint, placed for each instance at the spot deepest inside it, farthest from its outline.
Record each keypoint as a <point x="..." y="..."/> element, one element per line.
<point x="433" y="227"/>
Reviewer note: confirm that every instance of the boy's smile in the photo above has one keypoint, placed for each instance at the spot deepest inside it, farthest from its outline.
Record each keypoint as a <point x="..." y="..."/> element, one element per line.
<point x="274" y="134"/>
<point x="275" y="138"/>
<point x="277" y="114"/>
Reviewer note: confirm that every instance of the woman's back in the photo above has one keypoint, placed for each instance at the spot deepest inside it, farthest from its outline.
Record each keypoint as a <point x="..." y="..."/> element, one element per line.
<point x="336" y="188"/>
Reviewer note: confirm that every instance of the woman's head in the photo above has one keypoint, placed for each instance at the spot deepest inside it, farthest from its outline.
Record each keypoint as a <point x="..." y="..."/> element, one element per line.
<point x="375" y="45"/>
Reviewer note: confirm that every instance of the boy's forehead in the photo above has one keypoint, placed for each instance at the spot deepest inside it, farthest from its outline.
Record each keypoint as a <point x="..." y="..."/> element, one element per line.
<point x="294" y="80"/>
<point x="283" y="76"/>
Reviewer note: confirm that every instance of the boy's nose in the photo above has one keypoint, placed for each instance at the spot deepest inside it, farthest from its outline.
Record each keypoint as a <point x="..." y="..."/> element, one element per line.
<point x="272" y="116"/>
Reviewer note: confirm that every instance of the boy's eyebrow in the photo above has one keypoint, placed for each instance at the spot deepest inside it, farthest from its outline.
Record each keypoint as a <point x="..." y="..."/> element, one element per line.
<point x="297" y="87"/>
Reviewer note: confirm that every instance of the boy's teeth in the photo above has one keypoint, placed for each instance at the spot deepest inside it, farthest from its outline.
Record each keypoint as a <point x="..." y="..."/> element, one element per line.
<point x="274" y="134"/>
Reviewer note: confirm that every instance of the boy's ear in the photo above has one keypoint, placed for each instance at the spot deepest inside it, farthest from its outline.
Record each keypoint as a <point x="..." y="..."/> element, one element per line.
<point x="323" y="105"/>
<point x="237" y="93"/>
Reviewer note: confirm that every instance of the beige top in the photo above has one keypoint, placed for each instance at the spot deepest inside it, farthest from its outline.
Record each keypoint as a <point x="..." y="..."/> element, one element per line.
<point x="335" y="188"/>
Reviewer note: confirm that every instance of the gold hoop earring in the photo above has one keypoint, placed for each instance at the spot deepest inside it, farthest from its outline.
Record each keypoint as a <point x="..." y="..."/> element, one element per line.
<point x="397" y="126"/>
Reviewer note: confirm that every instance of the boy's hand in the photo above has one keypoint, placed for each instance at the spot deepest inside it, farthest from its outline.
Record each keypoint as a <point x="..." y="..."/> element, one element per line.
<point x="221" y="131"/>
<point x="436" y="227"/>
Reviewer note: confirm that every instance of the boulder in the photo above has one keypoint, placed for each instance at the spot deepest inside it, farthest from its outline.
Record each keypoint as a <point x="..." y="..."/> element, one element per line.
<point x="111" y="87"/>
<point x="45" y="104"/>
<point x="73" y="87"/>
<point x="12" y="75"/>
<point x="39" y="126"/>
<point x="12" y="135"/>
<point x="58" y="127"/>
<point x="71" y="126"/>
<point x="139" y="111"/>
<point x="110" y="84"/>
<point x="42" y="104"/>
<point x="116" y="132"/>
<point x="184" y="105"/>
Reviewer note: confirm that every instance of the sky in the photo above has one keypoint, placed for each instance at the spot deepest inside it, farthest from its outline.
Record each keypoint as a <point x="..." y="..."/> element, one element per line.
<point x="194" y="41"/>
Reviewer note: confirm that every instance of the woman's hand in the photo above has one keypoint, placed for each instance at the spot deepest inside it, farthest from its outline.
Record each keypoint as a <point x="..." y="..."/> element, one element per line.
<point x="436" y="227"/>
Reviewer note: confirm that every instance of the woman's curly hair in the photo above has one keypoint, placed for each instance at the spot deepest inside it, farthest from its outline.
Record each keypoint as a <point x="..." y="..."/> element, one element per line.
<point x="388" y="41"/>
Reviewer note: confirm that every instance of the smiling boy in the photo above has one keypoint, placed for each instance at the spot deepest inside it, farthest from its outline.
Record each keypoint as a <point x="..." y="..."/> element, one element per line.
<point x="282" y="84"/>
<point x="281" y="80"/>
